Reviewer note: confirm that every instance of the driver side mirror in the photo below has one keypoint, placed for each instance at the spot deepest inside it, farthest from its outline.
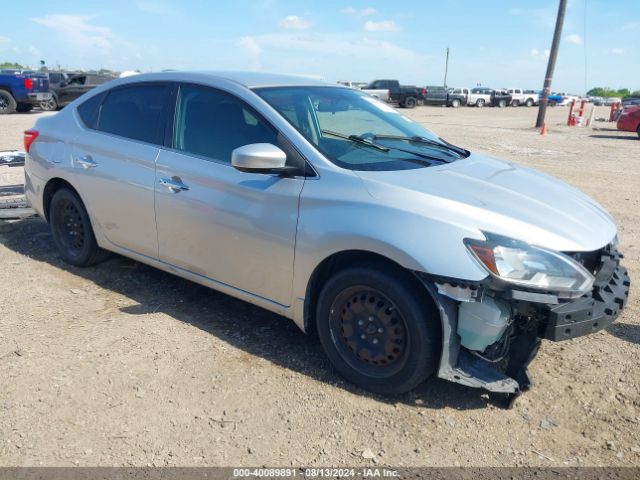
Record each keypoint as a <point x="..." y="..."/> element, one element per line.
<point x="261" y="158"/>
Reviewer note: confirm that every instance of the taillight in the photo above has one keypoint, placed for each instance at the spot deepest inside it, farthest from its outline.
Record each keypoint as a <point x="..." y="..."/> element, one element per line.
<point x="29" y="137"/>
<point x="28" y="83"/>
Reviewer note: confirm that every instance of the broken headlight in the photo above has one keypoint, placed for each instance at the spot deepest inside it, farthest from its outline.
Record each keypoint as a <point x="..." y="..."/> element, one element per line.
<point x="519" y="263"/>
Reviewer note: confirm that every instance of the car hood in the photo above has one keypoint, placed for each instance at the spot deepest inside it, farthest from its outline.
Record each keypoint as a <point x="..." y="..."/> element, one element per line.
<point x="482" y="193"/>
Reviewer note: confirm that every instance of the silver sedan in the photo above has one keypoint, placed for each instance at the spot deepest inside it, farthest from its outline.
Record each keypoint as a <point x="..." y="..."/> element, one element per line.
<point x="409" y="256"/>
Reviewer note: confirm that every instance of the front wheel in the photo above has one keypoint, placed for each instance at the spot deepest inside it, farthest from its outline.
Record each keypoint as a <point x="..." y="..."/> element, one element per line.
<point x="480" y="103"/>
<point x="379" y="329"/>
<point x="515" y="103"/>
<point x="71" y="230"/>
<point x="529" y="103"/>
<point x="50" y="105"/>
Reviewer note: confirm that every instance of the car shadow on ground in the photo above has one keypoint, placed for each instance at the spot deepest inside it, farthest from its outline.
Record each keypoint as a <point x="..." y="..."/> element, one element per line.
<point x="625" y="331"/>
<point x="617" y="137"/>
<point x="252" y="329"/>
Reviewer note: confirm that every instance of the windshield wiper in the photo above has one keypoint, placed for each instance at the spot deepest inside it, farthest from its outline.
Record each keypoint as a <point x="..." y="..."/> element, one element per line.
<point x="417" y="139"/>
<point x="357" y="139"/>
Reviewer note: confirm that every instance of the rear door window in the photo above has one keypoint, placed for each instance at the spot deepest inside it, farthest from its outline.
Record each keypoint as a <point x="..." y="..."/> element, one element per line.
<point x="136" y="112"/>
<point x="211" y="123"/>
<point x="89" y="110"/>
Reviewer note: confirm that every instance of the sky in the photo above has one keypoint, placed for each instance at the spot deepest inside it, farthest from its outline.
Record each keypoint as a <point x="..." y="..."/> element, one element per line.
<point x="494" y="43"/>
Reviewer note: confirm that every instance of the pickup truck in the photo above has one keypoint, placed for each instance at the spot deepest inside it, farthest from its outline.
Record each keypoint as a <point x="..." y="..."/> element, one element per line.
<point x="20" y="92"/>
<point x="520" y="96"/>
<point x="480" y="97"/>
<point x="406" y="96"/>
<point x="435" y="95"/>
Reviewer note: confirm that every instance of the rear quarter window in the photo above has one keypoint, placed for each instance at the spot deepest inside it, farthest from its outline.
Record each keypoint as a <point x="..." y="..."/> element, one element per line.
<point x="89" y="110"/>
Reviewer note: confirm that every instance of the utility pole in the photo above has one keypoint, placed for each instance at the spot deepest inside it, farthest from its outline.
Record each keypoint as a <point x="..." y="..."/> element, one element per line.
<point x="446" y="68"/>
<point x="553" y="54"/>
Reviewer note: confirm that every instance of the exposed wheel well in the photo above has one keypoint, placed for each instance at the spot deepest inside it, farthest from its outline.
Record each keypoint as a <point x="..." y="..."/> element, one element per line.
<point x="339" y="261"/>
<point x="50" y="189"/>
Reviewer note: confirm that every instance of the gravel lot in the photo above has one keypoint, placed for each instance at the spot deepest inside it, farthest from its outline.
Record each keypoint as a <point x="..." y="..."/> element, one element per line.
<point x="121" y="364"/>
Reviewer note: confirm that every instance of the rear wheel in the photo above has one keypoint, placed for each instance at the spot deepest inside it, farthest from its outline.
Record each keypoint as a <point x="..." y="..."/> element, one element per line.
<point x="7" y="103"/>
<point x="410" y="102"/>
<point x="529" y="102"/>
<point x="71" y="230"/>
<point x="480" y="103"/>
<point x="378" y="329"/>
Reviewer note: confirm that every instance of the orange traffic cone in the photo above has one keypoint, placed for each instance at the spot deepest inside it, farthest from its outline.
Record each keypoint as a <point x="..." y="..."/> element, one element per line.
<point x="543" y="130"/>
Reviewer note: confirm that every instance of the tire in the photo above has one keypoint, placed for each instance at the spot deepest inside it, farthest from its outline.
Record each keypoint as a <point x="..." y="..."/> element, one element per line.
<point x="71" y="230"/>
<point x="50" y="105"/>
<point x="553" y="103"/>
<point x="24" y="107"/>
<point x="455" y="103"/>
<point x="529" y="102"/>
<point x="502" y="103"/>
<point x="396" y="319"/>
<point x="480" y="103"/>
<point x="515" y="103"/>
<point x="410" y="102"/>
<point x="638" y="131"/>
<point x="7" y="103"/>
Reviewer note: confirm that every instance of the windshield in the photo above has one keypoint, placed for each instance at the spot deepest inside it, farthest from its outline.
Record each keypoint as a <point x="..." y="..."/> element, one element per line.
<point x="335" y="120"/>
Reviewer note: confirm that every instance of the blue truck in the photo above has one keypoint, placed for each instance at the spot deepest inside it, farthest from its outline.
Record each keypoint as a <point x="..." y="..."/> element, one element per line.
<point x="21" y="91"/>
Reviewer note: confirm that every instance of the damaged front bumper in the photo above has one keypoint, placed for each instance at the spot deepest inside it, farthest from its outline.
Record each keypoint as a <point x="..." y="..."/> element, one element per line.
<point x="535" y="316"/>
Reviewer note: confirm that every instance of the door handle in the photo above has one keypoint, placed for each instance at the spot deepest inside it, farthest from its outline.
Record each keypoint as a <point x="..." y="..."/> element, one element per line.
<point x="86" y="161"/>
<point x="174" y="184"/>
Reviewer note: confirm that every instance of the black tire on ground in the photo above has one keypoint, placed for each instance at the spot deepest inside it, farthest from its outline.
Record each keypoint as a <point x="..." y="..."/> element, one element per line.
<point x="480" y="103"/>
<point x="410" y="102"/>
<point x="24" y="107"/>
<point x="638" y="131"/>
<point x="7" y="103"/>
<point x="515" y="103"/>
<point x="502" y="103"/>
<point x="553" y="103"/>
<point x="71" y="230"/>
<point x="50" y="105"/>
<point x="379" y="328"/>
<point x="455" y="103"/>
<point x="529" y="102"/>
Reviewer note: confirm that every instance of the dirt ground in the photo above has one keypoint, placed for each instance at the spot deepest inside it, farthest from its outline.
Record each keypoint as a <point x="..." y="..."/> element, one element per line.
<point x="121" y="364"/>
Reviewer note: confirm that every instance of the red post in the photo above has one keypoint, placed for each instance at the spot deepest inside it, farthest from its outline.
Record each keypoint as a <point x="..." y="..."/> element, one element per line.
<point x="573" y="104"/>
<point x="582" y="104"/>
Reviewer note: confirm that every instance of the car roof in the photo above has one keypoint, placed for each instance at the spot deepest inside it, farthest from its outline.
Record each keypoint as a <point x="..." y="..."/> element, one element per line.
<point x="248" y="79"/>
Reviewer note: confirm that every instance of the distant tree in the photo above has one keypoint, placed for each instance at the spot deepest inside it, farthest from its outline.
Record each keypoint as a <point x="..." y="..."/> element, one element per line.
<point x="635" y="93"/>
<point x="609" y="92"/>
<point x="8" y="65"/>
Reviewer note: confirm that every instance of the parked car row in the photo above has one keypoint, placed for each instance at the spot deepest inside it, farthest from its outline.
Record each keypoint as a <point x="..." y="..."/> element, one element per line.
<point x="22" y="90"/>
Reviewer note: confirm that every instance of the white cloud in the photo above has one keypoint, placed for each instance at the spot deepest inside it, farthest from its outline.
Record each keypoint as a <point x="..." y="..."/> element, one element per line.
<point x="535" y="53"/>
<point x="34" y="51"/>
<point x="382" y="26"/>
<point x="251" y="45"/>
<point x="78" y="31"/>
<point x="359" y="12"/>
<point x="574" y="39"/>
<point x="153" y="7"/>
<point x="616" y="51"/>
<point x="294" y="22"/>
